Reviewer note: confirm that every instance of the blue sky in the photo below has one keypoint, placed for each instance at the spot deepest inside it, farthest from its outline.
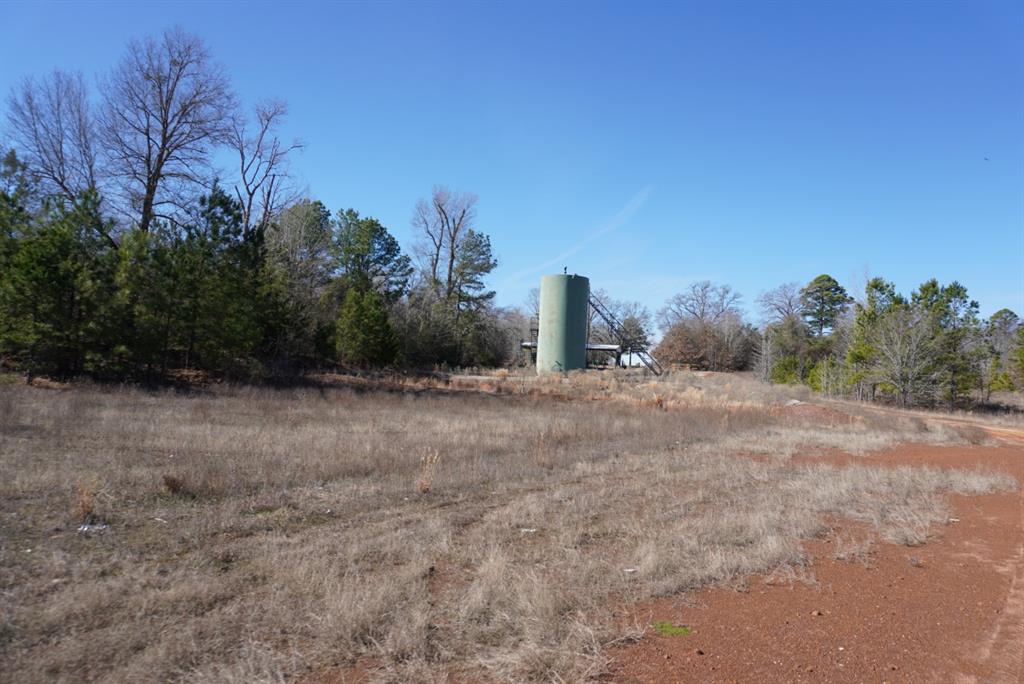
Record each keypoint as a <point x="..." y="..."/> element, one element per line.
<point x="643" y="145"/>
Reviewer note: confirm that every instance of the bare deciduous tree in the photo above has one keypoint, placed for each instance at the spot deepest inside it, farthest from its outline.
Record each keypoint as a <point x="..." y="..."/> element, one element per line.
<point x="443" y="222"/>
<point x="533" y="302"/>
<point x="1001" y="333"/>
<point x="726" y="344"/>
<point x="764" y="356"/>
<point x="703" y="302"/>
<point x="782" y="303"/>
<point x="906" y="352"/>
<point x="52" y="127"/>
<point x="735" y="342"/>
<point x="165" y="105"/>
<point x="598" y="329"/>
<point x="298" y="244"/>
<point x="704" y="327"/>
<point x="262" y="158"/>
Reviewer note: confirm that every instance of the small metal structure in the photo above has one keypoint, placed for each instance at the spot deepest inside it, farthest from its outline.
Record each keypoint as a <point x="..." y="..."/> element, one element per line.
<point x="641" y="351"/>
<point x="560" y="336"/>
<point x="607" y="348"/>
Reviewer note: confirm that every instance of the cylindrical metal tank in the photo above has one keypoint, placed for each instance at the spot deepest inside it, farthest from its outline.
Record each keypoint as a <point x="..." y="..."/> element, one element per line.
<point x="562" y="329"/>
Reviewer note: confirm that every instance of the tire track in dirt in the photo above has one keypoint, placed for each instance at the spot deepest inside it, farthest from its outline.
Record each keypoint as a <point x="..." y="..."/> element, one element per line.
<point x="1013" y="435"/>
<point x="1002" y="652"/>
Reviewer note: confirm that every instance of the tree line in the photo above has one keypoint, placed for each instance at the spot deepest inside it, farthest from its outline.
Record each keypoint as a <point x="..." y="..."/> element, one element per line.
<point x="927" y="348"/>
<point x="127" y="250"/>
<point x="130" y="248"/>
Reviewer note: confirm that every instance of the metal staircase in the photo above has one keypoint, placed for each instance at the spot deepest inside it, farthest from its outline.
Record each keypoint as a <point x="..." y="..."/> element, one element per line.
<point x="616" y="328"/>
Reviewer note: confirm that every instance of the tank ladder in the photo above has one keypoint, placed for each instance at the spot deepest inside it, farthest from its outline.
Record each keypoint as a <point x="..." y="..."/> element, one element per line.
<point x="613" y="324"/>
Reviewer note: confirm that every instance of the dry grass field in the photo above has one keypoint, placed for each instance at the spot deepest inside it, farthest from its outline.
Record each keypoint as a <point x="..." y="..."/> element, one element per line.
<point x="482" y="529"/>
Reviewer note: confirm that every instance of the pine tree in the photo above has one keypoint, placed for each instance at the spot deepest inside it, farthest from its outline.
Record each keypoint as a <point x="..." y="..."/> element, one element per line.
<point x="954" y="320"/>
<point x="59" y="291"/>
<point x="192" y="291"/>
<point x="369" y="256"/>
<point x="364" y="334"/>
<point x="823" y="302"/>
<point x="1017" y="357"/>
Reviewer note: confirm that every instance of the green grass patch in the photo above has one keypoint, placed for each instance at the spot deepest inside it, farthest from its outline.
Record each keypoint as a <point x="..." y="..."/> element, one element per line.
<point x="666" y="628"/>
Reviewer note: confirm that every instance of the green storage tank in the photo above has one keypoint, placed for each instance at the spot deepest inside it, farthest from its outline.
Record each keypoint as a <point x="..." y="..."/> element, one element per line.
<point x="562" y="328"/>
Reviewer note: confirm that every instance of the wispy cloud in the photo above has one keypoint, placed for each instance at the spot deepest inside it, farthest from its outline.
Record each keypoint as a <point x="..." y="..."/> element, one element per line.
<point x="620" y="219"/>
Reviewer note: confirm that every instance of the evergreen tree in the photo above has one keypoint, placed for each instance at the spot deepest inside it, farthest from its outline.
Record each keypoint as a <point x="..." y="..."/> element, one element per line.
<point x="16" y="193"/>
<point x="58" y="291"/>
<point x="954" y="319"/>
<point x="220" y="260"/>
<point x="369" y="256"/>
<point x="1017" y="357"/>
<point x="150" y="291"/>
<point x="364" y="334"/>
<point x="192" y="291"/>
<point x="373" y="274"/>
<point x="474" y="260"/>
<point x="823" y="301"/>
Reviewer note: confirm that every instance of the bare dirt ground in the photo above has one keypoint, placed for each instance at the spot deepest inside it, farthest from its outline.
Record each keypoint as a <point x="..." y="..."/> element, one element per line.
<point x="951" y="610"/>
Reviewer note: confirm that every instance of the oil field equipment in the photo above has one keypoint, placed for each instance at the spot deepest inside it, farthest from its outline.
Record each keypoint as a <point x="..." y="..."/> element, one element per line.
<point x="563" y="327"/>
<point x="562" y="324"/>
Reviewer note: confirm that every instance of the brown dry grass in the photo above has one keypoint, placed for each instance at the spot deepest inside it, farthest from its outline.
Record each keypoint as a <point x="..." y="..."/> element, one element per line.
<point x="674" y="390"/>
<point x="257" y="535"/>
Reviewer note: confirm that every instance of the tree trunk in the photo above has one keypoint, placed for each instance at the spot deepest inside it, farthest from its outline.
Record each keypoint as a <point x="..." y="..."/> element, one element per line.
<point x="147" y="207"/>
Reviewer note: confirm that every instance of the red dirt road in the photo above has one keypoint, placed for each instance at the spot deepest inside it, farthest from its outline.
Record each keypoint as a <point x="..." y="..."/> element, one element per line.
<point x="949" y="611"/>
